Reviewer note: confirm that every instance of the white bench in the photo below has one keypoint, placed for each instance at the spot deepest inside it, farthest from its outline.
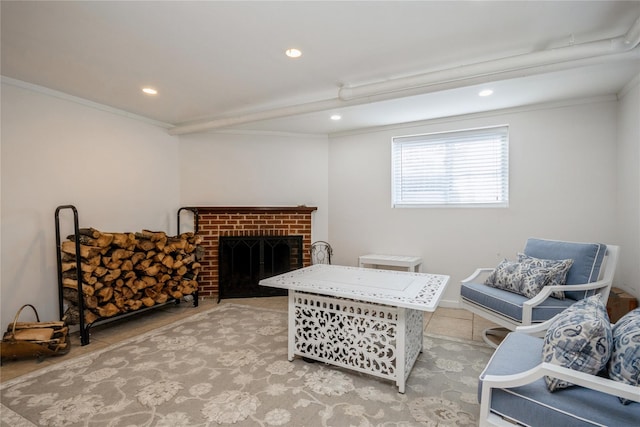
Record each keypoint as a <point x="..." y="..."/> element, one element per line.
<point x="411" y="263"/>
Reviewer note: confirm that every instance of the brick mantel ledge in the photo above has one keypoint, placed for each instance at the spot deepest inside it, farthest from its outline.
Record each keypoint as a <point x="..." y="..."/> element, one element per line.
<point x="249" y="209"/>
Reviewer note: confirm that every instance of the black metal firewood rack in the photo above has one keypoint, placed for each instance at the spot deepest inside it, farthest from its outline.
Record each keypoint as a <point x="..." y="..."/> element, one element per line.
<point x="84" y="325"/>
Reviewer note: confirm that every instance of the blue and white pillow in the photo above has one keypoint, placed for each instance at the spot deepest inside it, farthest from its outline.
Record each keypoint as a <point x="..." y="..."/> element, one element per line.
<point x="580" y="339"/>
<point x="556" y="271"/>
<point x="529" y="275"/>
<point x="506" y="276"/>
<point x="624" y="365"/>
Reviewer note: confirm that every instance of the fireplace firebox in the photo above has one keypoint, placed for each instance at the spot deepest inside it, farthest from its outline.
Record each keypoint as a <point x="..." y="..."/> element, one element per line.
<point x="245" y="260"/>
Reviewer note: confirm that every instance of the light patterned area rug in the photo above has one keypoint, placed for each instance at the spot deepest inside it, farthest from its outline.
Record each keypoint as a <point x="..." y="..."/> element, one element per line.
<point x="228" y="366"/>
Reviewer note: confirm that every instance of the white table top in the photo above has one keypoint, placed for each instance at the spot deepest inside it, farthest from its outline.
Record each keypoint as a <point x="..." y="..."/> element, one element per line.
<point x="418" y="291"/>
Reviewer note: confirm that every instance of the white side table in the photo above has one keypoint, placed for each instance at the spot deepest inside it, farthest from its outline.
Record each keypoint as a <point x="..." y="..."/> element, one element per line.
<point x="411" y="263"/>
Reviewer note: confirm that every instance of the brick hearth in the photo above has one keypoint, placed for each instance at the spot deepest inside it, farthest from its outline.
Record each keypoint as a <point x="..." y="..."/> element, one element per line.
<point x="216" y="221"/>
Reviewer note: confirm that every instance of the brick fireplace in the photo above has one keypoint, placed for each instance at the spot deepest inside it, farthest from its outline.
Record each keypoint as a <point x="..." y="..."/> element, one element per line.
<point x="217" y="221"/>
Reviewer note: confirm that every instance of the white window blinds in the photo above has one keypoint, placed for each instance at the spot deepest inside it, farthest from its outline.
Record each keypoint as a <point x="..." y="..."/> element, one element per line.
<point x="462" y="168"/>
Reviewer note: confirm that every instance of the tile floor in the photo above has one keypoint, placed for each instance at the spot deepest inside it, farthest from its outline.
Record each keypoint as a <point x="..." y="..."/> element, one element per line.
<point x="457" y="323"/>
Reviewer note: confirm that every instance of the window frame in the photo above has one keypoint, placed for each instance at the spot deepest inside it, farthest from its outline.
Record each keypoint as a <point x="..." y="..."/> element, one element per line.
<point x="501" y="131"/>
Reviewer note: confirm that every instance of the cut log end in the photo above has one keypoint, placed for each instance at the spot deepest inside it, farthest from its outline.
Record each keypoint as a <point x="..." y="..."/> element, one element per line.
<point x="123" y="272"/>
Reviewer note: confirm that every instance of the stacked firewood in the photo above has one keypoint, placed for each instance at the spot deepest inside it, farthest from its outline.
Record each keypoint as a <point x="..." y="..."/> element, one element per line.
<point x="122" y="272"/>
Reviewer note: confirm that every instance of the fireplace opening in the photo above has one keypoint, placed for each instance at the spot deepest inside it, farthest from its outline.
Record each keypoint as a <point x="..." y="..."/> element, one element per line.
<point x="245" y="260"/>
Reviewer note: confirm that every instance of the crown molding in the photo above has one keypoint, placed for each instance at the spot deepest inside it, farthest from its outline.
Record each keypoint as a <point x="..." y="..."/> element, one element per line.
<point x="81" y="101"/>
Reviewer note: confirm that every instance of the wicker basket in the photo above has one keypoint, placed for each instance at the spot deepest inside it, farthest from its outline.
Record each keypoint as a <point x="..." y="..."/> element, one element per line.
<point x="35" y="339"/>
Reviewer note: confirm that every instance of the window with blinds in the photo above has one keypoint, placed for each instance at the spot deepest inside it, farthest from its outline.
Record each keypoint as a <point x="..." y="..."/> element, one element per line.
<point x="468" y="168"/>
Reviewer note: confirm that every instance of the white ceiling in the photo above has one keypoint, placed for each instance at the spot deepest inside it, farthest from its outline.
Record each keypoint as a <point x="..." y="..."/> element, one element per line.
<point x="213" y="60"/>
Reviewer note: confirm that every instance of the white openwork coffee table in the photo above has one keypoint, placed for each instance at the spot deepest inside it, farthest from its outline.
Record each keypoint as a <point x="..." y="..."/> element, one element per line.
<point x="359" y="318"/>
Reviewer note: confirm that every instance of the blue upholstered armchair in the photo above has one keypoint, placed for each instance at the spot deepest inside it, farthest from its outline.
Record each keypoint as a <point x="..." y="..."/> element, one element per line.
<point x="513" y="388"/>
<point x="546" y="278"/>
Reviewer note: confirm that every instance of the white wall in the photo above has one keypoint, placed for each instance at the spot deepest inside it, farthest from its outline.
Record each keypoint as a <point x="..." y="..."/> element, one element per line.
<point x="133" y="175"/>
<point x="120" y="173"/>
<point x="629" y="187"/>
<point x="245" y="169"/>
<point x="562" y="186"/>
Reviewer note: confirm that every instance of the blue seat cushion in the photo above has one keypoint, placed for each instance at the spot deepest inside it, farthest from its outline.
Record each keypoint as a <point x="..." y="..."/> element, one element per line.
<point x="509" y="304"/>
<point x="587" y="260"/>
<point x="532" y="403"/>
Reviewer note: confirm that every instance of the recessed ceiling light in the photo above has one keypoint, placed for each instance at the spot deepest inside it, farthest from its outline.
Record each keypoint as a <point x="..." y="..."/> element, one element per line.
<point x="336" y="117"/>
<point x="485" y="92"/>
<point x="293" y="53"/>
<point x="149" y="91"/>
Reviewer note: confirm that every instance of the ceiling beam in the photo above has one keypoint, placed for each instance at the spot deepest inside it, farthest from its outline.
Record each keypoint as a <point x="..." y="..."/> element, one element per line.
<point x="538" y="62"/>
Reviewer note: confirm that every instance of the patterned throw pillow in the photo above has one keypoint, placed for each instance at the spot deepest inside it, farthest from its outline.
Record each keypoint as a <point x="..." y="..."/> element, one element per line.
<point x="624" y="365"/>
<point x="528" y="276"/>
<point x="505" y="276"/>
<point x="557" y="271"/>
<point x="579" y="339"/>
